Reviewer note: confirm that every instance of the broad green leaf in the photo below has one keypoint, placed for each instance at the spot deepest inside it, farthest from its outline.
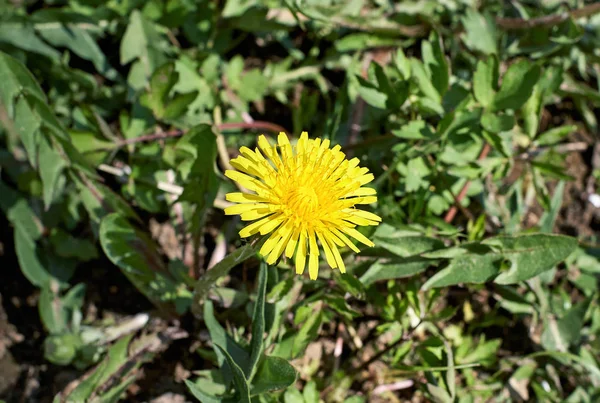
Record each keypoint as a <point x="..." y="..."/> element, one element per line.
<point x="517" y="85"/>
<point x="258" y="322"/>
<point x="372" y="95"/>
<point x="80" y="42"/>
<point x="435" y="63"/>
<point x="496" y="122"/>
<point x="395" y="268"/>
<point x="480" y="32"/>
<point x="402" y="64"/>
<point x="477" y="266"/>
<point x="415" y="130"/>
<point x="29" y="262"/>
<point x="52" y="312"/>
<point x="562" y="333"/>
<point x="19" y="213"/>
<point x="362" y="40"/>
<point x="528" y="255"/>
<point x="136" y="255"/>
<point x="23" y="36"/>
<point x="406" y="244"/>
<point x="419" y="73"/>
<point x="485" y="81"/>
<point x="555" y="135"/>
<point x="208" y="279"/>
<point x="14" y="78"/>
<point x="200" y="394"/>
<point x="239" y="379"/>
<point x="273" y="374"/>
<point x="531" y="255"/>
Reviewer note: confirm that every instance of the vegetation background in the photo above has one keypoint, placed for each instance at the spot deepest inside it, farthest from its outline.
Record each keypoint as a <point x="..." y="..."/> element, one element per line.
<point x="479" y="120"/>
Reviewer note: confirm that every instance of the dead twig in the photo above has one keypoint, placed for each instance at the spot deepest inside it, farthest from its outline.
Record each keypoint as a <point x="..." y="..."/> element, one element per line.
<point x="513" y="24"/>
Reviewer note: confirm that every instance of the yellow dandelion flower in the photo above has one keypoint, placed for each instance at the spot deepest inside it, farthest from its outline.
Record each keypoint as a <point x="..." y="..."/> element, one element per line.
<point x="304" y="195"/>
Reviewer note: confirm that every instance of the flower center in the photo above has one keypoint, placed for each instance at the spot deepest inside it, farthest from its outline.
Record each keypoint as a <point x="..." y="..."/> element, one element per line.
<point x="303" y="202"/>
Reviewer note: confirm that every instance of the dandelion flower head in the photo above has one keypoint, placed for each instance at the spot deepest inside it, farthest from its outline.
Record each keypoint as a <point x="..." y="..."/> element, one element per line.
<point x="304" y="195"/>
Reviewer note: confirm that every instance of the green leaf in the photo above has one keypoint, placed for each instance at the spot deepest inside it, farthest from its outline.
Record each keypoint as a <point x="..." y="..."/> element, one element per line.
<point x="80" y="42"/>
<point x="480" y="32"/>
<point x="531" y="255"/>
<point x="402" y="64"/>
<point x="561" y="334"/>
<point x="497" y="122"/>
<point x="136" y="255"/>
<point x="239" y="379"/>
<point x="517" y="85"/>
<point x="435" y="62"/>
<point x="52" y="312"/>
<point x="177" y="106"/>
<point x="218" y="336"/>
<point x="528" y="255"/>
<point x="258" y="322"/>
<point x="29" y="263"/>
<point x="23" y="37"/>
<point x="485" y="81"/>
<point x="208" y="280"/>
<point x="395" y="268"/>
<point x="415" y="130"/>
<point x="114" y="361"/>
<point x="307" y="333"/>
<point x="555" y="135"/>
<point x="273" y="374"/>
<point x="52" y="165"/>
<point x="424" y="81"/>
<point x="200" y="394"/>
<point x="15" y="78"/>
<point x="19" y="213"/>
<point x="372" y="95"/>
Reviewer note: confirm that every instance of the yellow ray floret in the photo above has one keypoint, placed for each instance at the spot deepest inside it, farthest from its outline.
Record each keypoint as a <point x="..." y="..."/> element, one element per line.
<point x="304" y="195"/>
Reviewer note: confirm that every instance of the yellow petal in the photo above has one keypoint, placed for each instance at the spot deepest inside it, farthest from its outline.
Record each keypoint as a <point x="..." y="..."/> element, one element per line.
<point x="357" y="235"/>
<point x="328" y="255"/>
<point x="313" y="266"/>
<point x="301" y="253"/>
<point x="238" y="197"/>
